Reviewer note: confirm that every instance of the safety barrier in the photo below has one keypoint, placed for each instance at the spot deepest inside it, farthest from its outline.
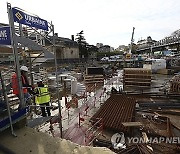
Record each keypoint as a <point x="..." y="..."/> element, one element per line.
<point x="97" y="128"/>
<point x="84" y="134"/>
<point x="17" y="116"/>
<point x="75" y="118"/>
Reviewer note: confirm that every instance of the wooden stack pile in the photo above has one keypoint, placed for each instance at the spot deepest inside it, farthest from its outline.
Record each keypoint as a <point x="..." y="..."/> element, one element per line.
<point x="92" y="79"/>
<point x="137" y="77"/>
<point x="175" y="84"/>
<point x="94" y="75"/>
<point x="116" y="110"/>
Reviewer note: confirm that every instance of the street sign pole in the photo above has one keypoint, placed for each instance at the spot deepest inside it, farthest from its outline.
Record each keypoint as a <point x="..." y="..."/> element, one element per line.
<point x="57" y="83"/>
<point x="15" y="51"/>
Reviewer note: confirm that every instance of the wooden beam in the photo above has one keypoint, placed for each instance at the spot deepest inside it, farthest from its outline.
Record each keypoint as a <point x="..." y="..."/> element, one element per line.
<point x="132" y="124"/>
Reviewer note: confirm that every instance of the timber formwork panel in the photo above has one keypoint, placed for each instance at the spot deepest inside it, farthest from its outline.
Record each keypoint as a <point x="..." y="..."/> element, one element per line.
<point x="94" y="79"/>
<point x="117" y="109"/>
<point x="175" y="84"/>
<point x="139" y="77"/>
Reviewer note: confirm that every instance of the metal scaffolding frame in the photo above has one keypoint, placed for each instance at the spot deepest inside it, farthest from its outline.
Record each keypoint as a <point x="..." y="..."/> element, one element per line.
<point x="7" y="102"/>
<point x="18" y="40"/>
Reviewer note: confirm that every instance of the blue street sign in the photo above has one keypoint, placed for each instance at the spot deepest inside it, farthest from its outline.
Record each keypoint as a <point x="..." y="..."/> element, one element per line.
<point x="5" y="37"/>
<point x="29" y="20"/>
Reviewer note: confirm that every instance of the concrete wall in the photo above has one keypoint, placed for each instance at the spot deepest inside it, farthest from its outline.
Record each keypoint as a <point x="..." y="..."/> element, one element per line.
<point x="67" y="52"/>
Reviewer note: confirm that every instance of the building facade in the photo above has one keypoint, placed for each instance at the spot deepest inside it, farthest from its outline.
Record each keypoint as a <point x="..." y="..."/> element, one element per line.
<point x="65" y="48"/>
<point x="144" y="43"/>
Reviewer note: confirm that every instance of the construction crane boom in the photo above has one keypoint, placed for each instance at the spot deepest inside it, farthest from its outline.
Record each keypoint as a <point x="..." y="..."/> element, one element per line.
<point x="132" y="40"/>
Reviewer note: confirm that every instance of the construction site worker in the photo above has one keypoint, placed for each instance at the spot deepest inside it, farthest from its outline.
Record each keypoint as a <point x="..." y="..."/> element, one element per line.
<point x="43" y="98"/>
<point x="113" y="90"/>
<point x="25" y="83"/>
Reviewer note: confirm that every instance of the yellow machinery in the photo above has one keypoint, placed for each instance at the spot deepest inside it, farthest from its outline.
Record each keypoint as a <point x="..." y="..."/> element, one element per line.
<point x="128" y="56"/>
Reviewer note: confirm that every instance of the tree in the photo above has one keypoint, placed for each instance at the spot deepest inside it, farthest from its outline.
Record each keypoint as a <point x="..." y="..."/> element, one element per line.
<point x="83" y="51"/>
<point x="92" y="51"/>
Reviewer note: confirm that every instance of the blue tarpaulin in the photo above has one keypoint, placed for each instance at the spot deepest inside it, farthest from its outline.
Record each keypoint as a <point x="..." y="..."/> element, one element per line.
<point x="5" y="123"/>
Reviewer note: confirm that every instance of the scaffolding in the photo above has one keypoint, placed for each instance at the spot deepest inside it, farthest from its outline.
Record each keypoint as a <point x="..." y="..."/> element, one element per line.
<point x="22" y="37"/>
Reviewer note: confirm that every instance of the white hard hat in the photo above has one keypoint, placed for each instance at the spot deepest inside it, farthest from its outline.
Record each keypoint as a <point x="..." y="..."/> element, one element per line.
<point x="39" y="80"/>
<point x="24" y="68"/>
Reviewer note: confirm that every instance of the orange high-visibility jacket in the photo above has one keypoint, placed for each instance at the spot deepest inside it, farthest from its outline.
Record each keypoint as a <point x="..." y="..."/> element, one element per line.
<point x="15" y="84"/>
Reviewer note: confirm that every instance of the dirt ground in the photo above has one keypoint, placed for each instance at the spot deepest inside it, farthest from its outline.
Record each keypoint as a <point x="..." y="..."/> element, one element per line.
<point x="29" y="141"/>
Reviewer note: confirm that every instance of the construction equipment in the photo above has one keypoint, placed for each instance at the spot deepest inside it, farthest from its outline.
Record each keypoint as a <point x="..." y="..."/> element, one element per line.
<point x="132" y="40"/>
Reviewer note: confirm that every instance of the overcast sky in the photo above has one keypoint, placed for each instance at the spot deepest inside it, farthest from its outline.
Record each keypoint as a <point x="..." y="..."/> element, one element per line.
<point x="104" y="21"/>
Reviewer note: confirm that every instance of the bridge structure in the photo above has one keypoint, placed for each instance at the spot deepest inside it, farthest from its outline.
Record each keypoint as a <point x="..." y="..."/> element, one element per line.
<point x="168" y="42"/>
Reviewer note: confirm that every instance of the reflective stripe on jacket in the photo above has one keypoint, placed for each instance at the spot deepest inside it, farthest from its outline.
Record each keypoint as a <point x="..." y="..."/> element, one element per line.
<point x="43" y="95"/>
<point x="15" y="84"/>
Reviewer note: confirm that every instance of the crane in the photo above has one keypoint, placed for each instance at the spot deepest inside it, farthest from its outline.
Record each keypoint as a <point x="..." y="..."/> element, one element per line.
<point x="132" y="40"/>
<point x="128" y="55"/>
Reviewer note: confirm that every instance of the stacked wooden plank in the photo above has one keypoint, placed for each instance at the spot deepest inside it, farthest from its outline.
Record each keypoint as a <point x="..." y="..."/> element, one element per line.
<point x="175" y="84"/>
<point x="94" y="75"/>
<point x="92" y="79"/>
<point x="116" y="110"/>
<point x="138" y="77"/>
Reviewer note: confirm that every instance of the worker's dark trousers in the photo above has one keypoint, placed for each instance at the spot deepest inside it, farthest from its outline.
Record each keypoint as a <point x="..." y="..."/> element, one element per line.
<point x="26" y="99"/>
<point x="45" y="107"/>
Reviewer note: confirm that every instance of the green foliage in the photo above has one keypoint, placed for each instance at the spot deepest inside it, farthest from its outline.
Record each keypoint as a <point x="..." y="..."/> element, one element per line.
<point x="83" y="51"/>
<point x="118" y="52"/>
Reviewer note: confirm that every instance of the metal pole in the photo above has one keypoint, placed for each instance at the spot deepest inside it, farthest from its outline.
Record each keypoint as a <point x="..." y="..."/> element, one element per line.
<point x="151" y="51"/>
<point x="24" y="57"/>
<point x="132" y="40"/>
<point x="21" y="35"/>
<point x="30" y="68"/>
<point x="7" y="103"/>
<point x="79" y="119"/>
<point x="57" y="84"/>
<point x="15" y="51"/>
